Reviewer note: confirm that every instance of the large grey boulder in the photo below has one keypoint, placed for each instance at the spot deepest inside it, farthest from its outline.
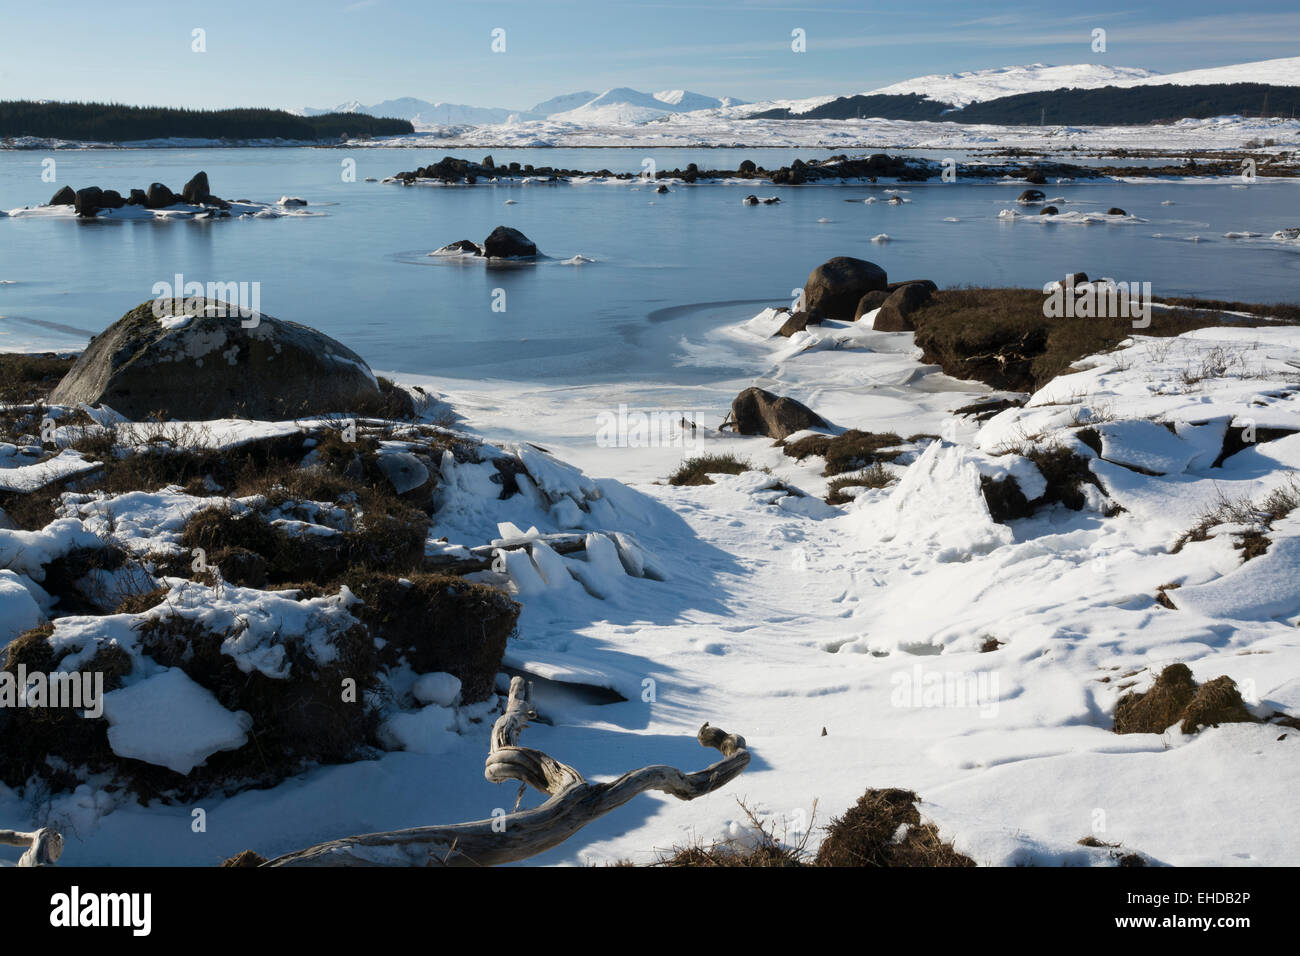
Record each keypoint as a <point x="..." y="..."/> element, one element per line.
<point x="835" y="287"/>
<point x="209" y="366"/>
<point x="759" y="412"/>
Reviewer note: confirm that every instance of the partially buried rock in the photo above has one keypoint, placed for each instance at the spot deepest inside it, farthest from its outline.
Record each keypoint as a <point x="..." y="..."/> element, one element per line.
<point x="1049" y="211"/>
<point x="895" y="314"/>
<point x="870" y="302"/>
<point x="112" y="199"/>
<point x="1036" y="177"/>
<point x="798" y="322"/>
<point x="460" y="247"/>
<point x="1115" y="211"/>
<point x="1031" y="195"/>
<point x="64" y="197"/>
<point x="138" y="197"/>
<point x="661" y="188"/>
<point x="835" y="287"/>
<point x="750" y="200"/>
<point x="507" y="243"/>
<point x="205" y="361"/>
<point x="759" y="412"/>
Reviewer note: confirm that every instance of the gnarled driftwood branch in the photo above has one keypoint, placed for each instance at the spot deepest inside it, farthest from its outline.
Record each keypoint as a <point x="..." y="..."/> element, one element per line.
<point x="509" y="837"/>
<point x="44" y="847"/>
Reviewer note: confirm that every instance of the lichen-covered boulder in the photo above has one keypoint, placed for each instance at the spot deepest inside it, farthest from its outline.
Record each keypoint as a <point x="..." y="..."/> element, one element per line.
<point x="206" y="361"/>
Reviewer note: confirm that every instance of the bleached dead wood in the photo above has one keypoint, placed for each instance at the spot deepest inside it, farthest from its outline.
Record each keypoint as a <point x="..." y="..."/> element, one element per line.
<point x="483" y="555"/>
<point x="44" y="847"/>
<point x="509" y="837"/>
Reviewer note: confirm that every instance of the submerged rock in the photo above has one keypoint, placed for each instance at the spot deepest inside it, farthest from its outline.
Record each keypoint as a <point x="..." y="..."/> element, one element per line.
<point x="459" y="247"/>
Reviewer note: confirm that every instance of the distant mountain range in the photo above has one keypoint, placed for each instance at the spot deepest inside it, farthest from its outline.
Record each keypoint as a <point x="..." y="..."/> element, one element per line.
<point x="621" y="105"/>
<point x="957" y="96"/>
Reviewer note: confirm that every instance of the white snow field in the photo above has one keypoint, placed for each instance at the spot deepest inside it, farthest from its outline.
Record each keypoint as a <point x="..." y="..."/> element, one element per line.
<point x="844" y="643"/>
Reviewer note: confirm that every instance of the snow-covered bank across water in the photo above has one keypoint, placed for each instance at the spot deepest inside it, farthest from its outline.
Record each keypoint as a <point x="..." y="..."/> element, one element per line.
<point x="730" y="127"/>
<point x="906" y="638"/>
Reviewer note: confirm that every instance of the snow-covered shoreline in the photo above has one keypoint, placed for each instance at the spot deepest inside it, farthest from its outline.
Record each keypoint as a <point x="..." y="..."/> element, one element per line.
<point x="723" y="129"/>
<point x="820" y="632"/>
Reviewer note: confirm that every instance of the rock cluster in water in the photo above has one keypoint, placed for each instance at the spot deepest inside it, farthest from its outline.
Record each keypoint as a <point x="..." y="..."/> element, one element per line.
<point x="91" y="199"/>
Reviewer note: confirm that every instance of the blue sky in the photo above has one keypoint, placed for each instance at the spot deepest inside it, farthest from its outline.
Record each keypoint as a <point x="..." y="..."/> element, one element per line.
<point x="319" y="53"/>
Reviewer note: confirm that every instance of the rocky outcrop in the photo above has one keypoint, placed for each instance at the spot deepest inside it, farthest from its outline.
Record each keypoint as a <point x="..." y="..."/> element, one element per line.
<point x="216" y="364"/>
<point x="835" y="287"/>
<point x="759" y="412"/>
<point x="64" y="197"/>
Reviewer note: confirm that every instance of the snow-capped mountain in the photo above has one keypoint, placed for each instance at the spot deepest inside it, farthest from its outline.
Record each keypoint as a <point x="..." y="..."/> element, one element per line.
<point x="976" y="86"/>
<point x="423" y="113"/>
<point x="559" y="104"/>
<point x="621" y="105"/>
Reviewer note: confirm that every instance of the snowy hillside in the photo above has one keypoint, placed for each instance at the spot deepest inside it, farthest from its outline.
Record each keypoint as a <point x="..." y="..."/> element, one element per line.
<point x="976" y="86"/>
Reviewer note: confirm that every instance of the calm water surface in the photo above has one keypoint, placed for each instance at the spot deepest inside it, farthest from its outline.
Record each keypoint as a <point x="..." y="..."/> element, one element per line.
<point x="360" y="272"/>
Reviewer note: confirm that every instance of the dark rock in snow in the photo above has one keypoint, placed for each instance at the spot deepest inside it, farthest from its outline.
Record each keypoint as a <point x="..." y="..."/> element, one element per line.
<point x="758" y="412"/>
<point x="1031" y="195"/>
<point x="869" y="302"/>
<point x="64" y="197"/>
<point x="896" y="313"/>
<point x="798" y="322"/>
<point x="1115" y="211"/>
<point x="1049" y="211"/>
